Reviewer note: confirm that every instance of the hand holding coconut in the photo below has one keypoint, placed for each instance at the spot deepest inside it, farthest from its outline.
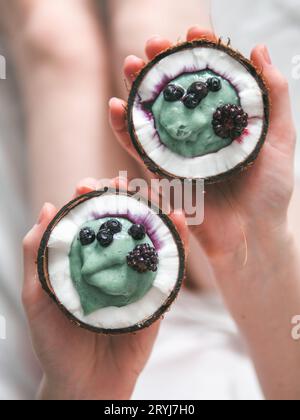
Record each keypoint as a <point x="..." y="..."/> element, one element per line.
<point x="77" y="363"/>
<point x="245" y="232"/>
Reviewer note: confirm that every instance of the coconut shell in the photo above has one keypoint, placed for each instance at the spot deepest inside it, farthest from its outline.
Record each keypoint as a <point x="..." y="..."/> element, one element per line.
<point x="151" y="165"/>
<point x="42" y="265"/>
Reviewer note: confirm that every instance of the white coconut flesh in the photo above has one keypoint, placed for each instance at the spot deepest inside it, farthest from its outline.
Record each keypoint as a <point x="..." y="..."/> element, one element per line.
<point x="170" y="68"/>
<point x="59" y="247"/>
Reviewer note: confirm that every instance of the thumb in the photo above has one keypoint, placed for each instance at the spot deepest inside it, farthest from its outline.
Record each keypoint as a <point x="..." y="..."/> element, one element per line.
<point x="31" y="243"/>
<point x="282" y="132"/>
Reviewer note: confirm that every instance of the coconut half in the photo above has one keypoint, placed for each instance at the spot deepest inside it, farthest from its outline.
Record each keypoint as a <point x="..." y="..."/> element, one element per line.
<point x="114" y="264"/>
<point x="199" y="110"/>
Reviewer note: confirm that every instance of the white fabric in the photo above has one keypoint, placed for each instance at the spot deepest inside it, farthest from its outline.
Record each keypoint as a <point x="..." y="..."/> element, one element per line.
<point x="199" y="355"/>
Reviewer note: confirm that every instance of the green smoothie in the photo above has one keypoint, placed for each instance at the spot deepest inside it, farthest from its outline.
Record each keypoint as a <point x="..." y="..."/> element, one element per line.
<point x="189" y="132"/>
<point x="101" y="274"/>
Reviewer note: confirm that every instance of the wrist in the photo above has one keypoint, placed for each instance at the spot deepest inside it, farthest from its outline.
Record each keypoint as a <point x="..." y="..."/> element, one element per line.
<point x="265" y="247"/>
<point x="262" y="262"/>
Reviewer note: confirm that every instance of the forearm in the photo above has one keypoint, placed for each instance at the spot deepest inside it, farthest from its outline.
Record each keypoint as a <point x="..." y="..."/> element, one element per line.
<point x="263" y="295"/>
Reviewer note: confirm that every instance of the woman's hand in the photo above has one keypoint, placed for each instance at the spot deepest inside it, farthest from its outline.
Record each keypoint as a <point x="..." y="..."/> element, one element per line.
<point x="78" y="364"/>
<point x="248" y="212"/>
<point x="245" y="232"/>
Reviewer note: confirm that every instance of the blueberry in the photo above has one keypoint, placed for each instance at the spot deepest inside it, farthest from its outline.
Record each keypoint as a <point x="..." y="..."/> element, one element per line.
<point x="114" y="226"/>
<point x="200" y="89"/>
<point x="173" y="93"/>
<point x="105" y="237"/>
<point x="87" y="236"/>
<point x="191" y="101"/>
<point x="214" y="84"/>
<point x="138" y="232"/>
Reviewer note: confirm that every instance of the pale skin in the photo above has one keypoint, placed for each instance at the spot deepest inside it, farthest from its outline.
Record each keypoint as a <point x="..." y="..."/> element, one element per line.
<point x="61" y="60"/>
<point x="64" y="107"/>
<point x="77" y="364"/>
<point x="68" y="64"/>
<point x="252" y="253"/>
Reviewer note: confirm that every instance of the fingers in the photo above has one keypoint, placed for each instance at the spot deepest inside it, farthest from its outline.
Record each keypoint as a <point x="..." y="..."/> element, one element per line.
<point x="32" y="241"/>
<point x="132" y="66"/>
<point x="118" y="122"/>
<point x="196" y="32"/>
<point x="282" y="131"/>
<point x="179" y="221"/>
<point x="86" y="186"/>
<point x="156" y="45"/>
<point x="91" y="184"/>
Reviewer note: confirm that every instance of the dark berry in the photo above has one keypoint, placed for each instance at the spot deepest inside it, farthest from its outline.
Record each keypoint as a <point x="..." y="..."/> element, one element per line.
<point x="173" y="93"/>
<point x="87" y="236"/>
<point x="105" y="237"/>
<point x="138" y="232"/>
<point x="143" y="258"/>
<point x="114" y="226"/>
<point x="214" y="84"/>
<point x="200" y="89"/>
<point x="192" y="100"/>
<point x="230" y="121"/>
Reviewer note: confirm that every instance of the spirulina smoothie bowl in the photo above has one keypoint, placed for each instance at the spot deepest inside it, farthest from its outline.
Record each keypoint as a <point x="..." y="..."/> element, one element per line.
<point x="112" y="263"/>
<point x="199" y="110"/>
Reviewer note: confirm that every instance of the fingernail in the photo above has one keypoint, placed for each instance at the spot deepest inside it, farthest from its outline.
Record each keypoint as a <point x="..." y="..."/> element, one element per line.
<point x="267" y="56"/>
<point x="153" y="38"/>
<point x="195" y="27"/>
<point x="112" y="101"/>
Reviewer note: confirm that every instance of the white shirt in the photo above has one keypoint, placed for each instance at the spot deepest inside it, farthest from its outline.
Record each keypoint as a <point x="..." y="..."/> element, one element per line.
<point x="199" y="355"/>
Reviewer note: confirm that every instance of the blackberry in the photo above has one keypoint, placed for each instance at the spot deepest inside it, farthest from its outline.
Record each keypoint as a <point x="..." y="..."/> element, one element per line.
<point x="230" y="121"/>
<point x="114" y="226"/>
<point x="143" y="258"/>
<point x="138" y="232"/>
<point x="87" y="236"/>
<point x="192" y="100"/>
<point x="105" y="237"/>
<point x="214" y="84"/>
<point x="200" y="89"/>
<point x="173" y="93"/>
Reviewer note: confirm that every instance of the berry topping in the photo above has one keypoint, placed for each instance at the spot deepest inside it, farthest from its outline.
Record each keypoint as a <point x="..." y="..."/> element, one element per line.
<point x="143" y="258"/>
<point x="105" y="237"/>
<point x="192" y="100"/>
<point x="173" y="93"/>
<point x="230" y="121"/>
<point x="138" y="232"/>
<point x="214" y="84"/>
<point x="200" y="89"/>
<point x="114" y="226"/>
<point x="87" y="236"/>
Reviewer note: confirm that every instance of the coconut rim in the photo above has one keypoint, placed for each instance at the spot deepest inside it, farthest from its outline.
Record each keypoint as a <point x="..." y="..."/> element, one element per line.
<point x="44" y="278"/>
<point x="246" y="63"/>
